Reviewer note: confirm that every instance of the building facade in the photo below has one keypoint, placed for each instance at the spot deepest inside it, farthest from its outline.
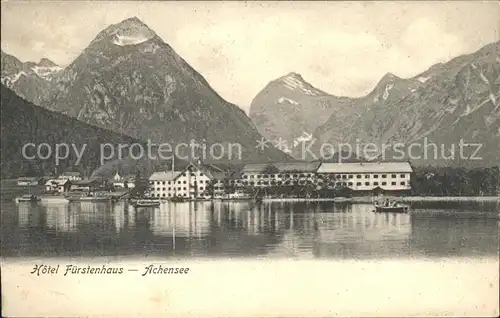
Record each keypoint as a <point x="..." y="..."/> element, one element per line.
<point x="194" y="181"/>
<point x="57" y="185"/>
<point x="126" y="182"/>
<point x="388" y="176"/>
<point x="278" y="174"/>
<point x="189" y="183"/>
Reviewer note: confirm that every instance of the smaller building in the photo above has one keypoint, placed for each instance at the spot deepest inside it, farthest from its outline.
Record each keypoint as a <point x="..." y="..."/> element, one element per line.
<point x="57" y="185"/>
<point x="86" y="185"/>
<point x="27" y="181"/>
<point x="126" y="182"/>
<point x="71" y="175"/>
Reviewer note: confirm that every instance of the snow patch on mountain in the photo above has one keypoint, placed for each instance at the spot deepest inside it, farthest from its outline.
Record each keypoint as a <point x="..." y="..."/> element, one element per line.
<point x="493" y="99"/>
<point x="388" y="88"/>
<point x="469" y="110"/>
<point x="423" y="79"/>
<point x="283" y="100"/>
<point x="124" y="40"/>
<point x="10" y="80"/>
<point x="305" y="137"/>
<point x="45" y="72"/>
<point x="293" y="83"/>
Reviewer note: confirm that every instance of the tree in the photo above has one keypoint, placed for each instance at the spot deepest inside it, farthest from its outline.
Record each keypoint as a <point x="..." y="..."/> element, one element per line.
<point x="271" y="170"/>
<point x="210" y="188"/>
<point x="141" y="186"/>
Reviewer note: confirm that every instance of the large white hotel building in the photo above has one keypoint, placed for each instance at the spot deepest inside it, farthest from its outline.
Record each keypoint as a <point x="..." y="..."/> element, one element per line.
<point x="389" y="176"/>
<point x="192" y="181"/>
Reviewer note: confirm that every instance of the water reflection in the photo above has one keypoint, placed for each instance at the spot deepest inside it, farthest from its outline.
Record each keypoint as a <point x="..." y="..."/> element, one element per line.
<point x="220" y="229"/>
<point x="119" y="215"/>
<point x="183" y="220"/>
<point x="61" y="218"/>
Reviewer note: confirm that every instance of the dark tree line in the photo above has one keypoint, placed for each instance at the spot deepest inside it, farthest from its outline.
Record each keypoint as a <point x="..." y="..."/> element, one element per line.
<point x="448" y="181"/>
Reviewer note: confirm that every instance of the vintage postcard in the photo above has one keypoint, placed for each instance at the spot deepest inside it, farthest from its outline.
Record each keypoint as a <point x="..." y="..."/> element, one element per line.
<point x="250" y="159"/>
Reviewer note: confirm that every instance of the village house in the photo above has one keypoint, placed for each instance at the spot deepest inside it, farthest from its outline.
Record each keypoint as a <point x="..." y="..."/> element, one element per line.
<point x="126" y="182"/>
<point x="27" y="181"/>
<point x="87" y="185"/>
<point x="71" y="175"/>
<point x="57" y="185"/>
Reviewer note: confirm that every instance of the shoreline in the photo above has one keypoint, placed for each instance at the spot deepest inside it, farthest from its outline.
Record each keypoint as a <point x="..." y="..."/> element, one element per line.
<point x="416" y="199"/>
<point x="356" y="200"/>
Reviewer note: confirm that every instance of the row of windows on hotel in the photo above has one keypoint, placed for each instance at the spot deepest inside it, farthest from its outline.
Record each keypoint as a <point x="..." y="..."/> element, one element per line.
<point x="179" y="188"/>
<point x="337" y="176"/>
<point x="393" y="183"/>
<point x="384" y="183"/>
<point x="172" y="195"/>
<point x="173" y="182"/>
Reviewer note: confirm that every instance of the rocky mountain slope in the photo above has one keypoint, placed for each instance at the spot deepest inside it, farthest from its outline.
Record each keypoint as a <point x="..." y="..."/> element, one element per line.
<point x="452" y="101"/>
<point x="23" y="122"/>
<point x="29" y="80"/>
<point x="130" y="81"/>
<point x="291" y="109"/>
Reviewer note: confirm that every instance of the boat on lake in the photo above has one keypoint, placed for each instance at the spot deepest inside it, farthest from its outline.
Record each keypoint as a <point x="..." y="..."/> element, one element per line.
<point x="390" y="206"/>
<point x="178" y="199"/>
<point x="342" y="199"/>
<point x="27" y="198"/>
<point x="145" y="203"/>
<point x="88" y="197"/>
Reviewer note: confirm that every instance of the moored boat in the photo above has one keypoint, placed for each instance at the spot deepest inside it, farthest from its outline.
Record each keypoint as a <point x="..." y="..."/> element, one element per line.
<point x="342" y="199"/>
<point x="391" y="207"/>
<point x="147" y="203"/>
<point x="27" y="198"/>
<point x="178" y="199"/>
<point x="88" y="197"/>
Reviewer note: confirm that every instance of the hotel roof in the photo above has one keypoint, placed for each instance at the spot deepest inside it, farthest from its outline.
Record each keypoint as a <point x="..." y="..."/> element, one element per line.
<point x="298" y="166"/>
<point x="85" y="182"/>
<point x="71" y="173"/>
<point x="365" y="167"/>
<point x="282" y="167"/>
<point x="208" y="170"/>
<point x="165" y="175"/>
<point x="57" y="182"/>
<point x="255" y="167"/>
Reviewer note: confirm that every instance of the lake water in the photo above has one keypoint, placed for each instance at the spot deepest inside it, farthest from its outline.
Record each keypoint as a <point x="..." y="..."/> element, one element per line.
<point x="321" y="230"/>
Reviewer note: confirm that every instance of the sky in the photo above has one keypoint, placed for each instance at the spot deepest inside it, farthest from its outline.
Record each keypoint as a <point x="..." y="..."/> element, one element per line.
<point x="343" y="48"/>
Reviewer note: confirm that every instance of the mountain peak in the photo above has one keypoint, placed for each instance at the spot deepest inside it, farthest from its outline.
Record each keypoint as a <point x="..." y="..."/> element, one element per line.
<point x="130" y="31"/>
<point x="295" y="82"/>
<point x="46" y="62"/>
<point x="132" y="21"/>
<point x="293" y="75"/>
<point x="389" y="77"/>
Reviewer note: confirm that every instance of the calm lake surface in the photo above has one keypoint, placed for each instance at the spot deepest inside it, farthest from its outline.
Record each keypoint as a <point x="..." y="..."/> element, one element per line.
<point x="245" y="229"/>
